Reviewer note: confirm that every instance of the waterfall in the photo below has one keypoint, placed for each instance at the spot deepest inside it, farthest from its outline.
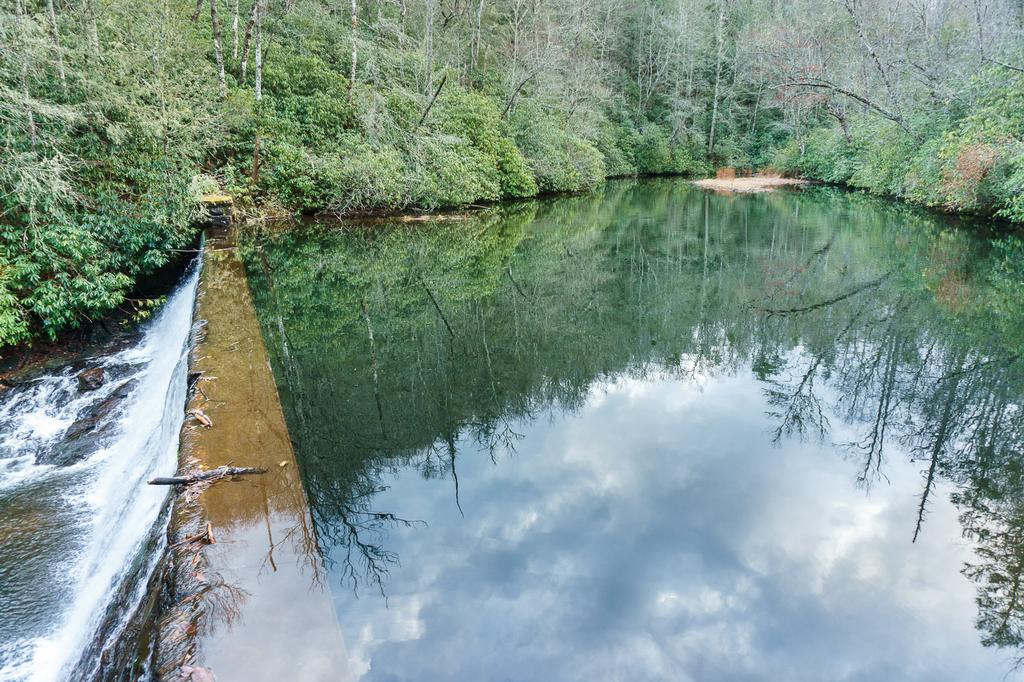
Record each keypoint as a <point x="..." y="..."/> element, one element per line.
<point x="77" y="521"/>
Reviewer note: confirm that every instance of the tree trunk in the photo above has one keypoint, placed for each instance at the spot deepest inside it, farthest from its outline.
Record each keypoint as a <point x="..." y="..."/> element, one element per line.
<point x="868" y="104"/>
<point x="90" y="27"/>
<point x="28" y="107"/>
<point x="515" y="93"/>
<point x="355" y="50"/>
<point x="426" y="112"/>
<point x="258" y="57"/>
<point x="218" y="50"/>
<point x="718" y="75"/>
<point x="29" y="114"/>
<point x="979" y="23"/>
<point x="211" y="475"/>
<point x="475" y="52"/>
<point x="254" y="173"/>
<point x="882" y="70"/>
<point x="757" y="105"/>
<point x="247" y="39"/>
<point x="51" y="13"/>
<point x="234" y="32"/>
<point x="428" y="46"/>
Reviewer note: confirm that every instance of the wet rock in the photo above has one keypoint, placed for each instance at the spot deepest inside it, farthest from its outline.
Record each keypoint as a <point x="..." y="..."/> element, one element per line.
<point x="114" y="400"/>
<point x="91" y="379"/>
<point x="89" y="432"/>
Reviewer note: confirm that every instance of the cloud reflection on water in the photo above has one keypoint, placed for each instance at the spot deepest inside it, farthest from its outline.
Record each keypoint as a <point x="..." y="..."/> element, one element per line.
<point x="656" y="535"/>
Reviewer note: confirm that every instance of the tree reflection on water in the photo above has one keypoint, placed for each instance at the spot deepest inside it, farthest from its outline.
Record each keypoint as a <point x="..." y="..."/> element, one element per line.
<point x="391" y="344"/>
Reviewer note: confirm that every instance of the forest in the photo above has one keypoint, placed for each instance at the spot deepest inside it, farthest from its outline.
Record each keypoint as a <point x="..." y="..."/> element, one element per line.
<point x="118" y="115"/>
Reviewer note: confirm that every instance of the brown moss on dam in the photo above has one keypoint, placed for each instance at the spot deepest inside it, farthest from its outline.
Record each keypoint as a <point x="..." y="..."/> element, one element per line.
<point x="243" y="592"/>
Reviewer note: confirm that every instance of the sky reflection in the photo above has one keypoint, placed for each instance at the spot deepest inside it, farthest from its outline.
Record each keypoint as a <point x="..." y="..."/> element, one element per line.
<point x="656" y="535"/>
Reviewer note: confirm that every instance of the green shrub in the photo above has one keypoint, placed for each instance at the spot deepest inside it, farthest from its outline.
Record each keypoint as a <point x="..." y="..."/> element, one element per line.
<point x="100" y="195"/>
<point x="354" y="176"/>
<point x="560" y="160"/>
<point x="884" y="151"/>
<point x="14" y="326"/>
<point x="608" y="141"/>
<point x="827" y="156"/>
<point x="628" y="140"/>
<point x="965" y="163"/>
<point x="690" y="161"/>
<point x="786" y="157"/>
<point x="475" y="119"/>
<point x="652" y="153"/>
<point x="1012" y="204"/>
<point x="449" y="171"/>
<point x="923" y="182"/>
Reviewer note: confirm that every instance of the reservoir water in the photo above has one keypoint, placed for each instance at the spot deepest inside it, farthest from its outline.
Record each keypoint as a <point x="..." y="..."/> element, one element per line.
<point x="658" y="434"/>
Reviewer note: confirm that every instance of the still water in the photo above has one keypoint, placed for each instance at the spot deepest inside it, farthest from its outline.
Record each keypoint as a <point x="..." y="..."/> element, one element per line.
<point x="658" y="434"/>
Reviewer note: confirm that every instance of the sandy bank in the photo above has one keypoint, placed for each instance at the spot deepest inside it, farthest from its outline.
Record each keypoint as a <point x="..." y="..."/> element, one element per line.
<point x="749" y="185"/>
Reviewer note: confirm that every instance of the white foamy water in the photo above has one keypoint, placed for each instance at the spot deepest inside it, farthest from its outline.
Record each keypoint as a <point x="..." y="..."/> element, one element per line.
<point x="104" y="494"/>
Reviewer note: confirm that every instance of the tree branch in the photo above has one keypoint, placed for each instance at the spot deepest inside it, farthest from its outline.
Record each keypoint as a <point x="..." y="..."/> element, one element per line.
<point x="1004" y="65"/>
<point x="826" y="85"/>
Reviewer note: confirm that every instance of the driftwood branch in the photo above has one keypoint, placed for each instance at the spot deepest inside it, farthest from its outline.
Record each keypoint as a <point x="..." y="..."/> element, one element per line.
<point x="211" y="475"/>
<point x="205" y="538"/>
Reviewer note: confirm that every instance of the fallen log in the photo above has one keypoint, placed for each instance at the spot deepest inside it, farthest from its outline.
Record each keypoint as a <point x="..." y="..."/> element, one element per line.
<point x="211" y="475"/>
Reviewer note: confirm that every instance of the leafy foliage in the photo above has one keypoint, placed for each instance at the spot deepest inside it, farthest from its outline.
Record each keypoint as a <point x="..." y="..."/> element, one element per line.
<point x="973" y="163"/>
<point x="109" y="109"/>
<point x="95" y="177"/>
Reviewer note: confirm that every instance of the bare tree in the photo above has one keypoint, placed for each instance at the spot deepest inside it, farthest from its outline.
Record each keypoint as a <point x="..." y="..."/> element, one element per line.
<point x="258" y="56"/>
<point x="234" y="31"/>
<point x="218" y="50"/>
<point x="92" y="31"/>
<point x="719" y="59"/>
<point x="428" y="46"/>
<point x="250" y="26"/>
<point x="475" y="44"/>
<point x="355" y="49"/>
<point x="51" y="14"/>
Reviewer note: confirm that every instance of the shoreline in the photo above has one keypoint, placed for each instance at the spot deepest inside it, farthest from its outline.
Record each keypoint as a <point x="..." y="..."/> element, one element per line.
<point x="26" y="359"/>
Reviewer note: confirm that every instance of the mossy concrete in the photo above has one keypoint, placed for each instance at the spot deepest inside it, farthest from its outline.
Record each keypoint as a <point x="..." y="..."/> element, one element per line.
<point x="251" y="605"/>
